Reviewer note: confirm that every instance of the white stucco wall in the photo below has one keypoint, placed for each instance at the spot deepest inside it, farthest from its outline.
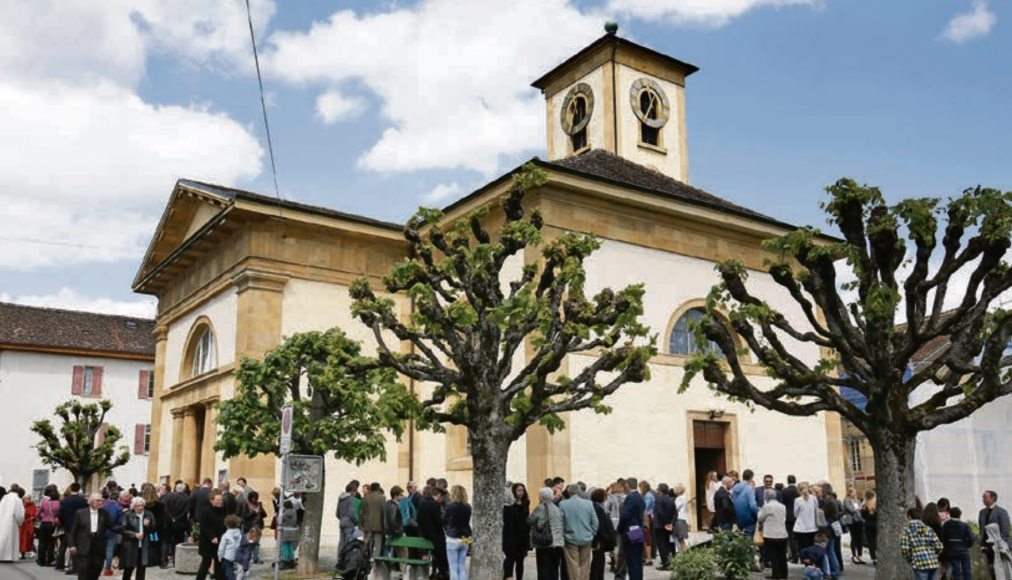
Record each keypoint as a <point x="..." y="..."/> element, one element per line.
<point x="33" y="384"/>
<point x="560" y="141"/>
<point x="306" y="306"/>
<point x="647" y="434"/>
<point x="221" y="311"/>
<point x="629" y="126"/>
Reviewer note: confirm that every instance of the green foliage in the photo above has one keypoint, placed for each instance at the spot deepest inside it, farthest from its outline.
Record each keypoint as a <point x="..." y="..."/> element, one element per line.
<point x="80" y="444"/>
<point x="694" y="564"/>
<point x="736" y="554"/>
<point x="342" y="403"/>
<point x="473" y="313"/>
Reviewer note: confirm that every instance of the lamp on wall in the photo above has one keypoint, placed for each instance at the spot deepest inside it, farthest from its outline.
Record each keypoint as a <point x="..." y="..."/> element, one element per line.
<point x="717" y="411"/>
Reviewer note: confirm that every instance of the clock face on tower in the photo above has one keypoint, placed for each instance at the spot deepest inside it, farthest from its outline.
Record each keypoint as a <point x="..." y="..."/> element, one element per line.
<point x="649" y="103"/>
<point x="577" y="109"/>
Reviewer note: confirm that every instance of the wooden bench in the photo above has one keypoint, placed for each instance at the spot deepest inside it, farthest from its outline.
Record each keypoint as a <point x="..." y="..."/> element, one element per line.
<point x="417" y="568"/>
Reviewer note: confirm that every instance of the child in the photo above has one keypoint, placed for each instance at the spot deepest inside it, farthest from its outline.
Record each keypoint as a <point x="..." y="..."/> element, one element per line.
<point x="288" y="532"/>
<point x="246" y="550"/>
<point x="228" y="546"/>
<point x="920" y="546"/>
<point x="957" y="539"/>
<point x="814" y="558"/>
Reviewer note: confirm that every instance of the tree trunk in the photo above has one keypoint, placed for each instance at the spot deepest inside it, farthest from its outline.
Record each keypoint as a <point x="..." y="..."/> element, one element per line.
<point x="894" y="488"/>
<point x="309" y="540"/>
<point x="488" y="455"/>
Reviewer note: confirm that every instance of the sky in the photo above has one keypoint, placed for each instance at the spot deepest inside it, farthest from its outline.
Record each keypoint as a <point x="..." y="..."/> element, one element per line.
<point x="378" y="107"/>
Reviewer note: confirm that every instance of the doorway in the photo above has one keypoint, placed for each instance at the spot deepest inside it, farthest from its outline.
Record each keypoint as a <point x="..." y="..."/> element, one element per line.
<point x="709" y="454"/>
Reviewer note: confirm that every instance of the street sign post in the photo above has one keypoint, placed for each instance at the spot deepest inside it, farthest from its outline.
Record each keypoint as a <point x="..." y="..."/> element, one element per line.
<point x="284" y="448"/>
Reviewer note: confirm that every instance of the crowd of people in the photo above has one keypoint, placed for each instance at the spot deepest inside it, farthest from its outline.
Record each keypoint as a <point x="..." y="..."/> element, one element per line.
<point x="576" y="532"/>
<point x="135" y="529"/>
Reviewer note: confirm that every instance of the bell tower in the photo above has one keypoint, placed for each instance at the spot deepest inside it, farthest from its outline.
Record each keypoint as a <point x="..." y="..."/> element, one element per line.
<point x="622" y="97"/>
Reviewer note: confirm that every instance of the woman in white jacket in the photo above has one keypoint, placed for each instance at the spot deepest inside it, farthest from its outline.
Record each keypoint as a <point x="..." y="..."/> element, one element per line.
<point x="806" y="509"/>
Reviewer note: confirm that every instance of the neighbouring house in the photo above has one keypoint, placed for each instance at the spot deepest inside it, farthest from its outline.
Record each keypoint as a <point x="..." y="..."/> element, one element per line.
<point x="48" y="356"/>
<point x="235" y="271"/>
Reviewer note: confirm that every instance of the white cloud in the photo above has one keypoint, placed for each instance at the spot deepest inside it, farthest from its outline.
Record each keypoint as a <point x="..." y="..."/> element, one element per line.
<point x="333" y="106"/>
<point x="453" y="85"/>
<point x="974" y="24"/>
<point x="453" y="77"/>
<point x="442" y="192"/>
<point x="70" y="299"/>
<point x="711" y="13"/>
<point x="85" y="163"/>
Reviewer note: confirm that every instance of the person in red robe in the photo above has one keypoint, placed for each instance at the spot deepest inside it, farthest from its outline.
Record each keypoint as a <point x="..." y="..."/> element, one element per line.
<point x="28" y="527"/>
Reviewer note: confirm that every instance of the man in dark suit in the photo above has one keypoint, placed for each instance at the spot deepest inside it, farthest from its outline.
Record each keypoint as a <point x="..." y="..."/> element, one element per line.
<point x="86" y="539"/>
<point x="788" y="495"/>
<point x="68" y="507"/>
<point x="665" y="514"/>
<point x="992" y="514"/>
<point x="631" y="520"/>
<point x="200" y="501"/>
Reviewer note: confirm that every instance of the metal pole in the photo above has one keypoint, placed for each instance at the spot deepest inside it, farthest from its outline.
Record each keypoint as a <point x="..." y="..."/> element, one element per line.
<point x="281" y="512"/>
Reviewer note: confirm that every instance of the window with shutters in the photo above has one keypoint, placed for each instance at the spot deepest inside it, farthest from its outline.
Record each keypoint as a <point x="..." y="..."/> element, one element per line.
<point x="854" y="447"/>
<point x="146" y="384"/>
<point x="142" y="439"/>
<point x="151" y="384"/>
<point x="86" y="381"/>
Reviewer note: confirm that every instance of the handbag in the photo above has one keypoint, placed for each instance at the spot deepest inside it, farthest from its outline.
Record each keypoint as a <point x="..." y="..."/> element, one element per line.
<point x="634" y="534"/>
<point x="837" y="529"/>
<point x="820" y="518"/>
<point x="541" y="536"/>
<point x="757" y="537"/>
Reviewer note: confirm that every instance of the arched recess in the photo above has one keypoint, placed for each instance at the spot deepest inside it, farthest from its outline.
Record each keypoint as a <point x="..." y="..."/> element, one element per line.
<point x="681" y="312"/>
<point x="201" y="353"/>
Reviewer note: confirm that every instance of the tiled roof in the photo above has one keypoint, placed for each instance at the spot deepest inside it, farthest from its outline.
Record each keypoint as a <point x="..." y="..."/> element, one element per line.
<point x="601" y="163"/>
<point x="50" y="328"/>
<point x="233" y="193"/>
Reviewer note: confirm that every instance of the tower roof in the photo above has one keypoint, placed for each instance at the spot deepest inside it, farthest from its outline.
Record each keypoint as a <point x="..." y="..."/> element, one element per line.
<point x="613" y="46"/>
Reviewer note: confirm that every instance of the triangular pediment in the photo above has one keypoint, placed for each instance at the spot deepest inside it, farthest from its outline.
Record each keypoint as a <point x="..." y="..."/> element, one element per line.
<point x="188" y="210"/>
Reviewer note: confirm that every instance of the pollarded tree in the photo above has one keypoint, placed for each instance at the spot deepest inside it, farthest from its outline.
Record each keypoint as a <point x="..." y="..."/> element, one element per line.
<point x="82" y="444"/>
<point x="470" y="321"/>
<point x="341" y="405"/>
<point x="901" y="290"/>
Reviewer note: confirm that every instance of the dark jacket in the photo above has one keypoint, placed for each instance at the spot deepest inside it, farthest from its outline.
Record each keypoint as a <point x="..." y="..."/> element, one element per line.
<point x="723" y="505"/>
<point x="957" y="538"/>
<point x="787" y="497"/>
<point x="813" y="555"/>
<point x="665" y="512"/>
<point x="516" y="533"/>
<point x="760" y="496"/>
<point x="177" y="510"/>
<point x="457" y="520"/>
<point x="69" y="506"/>
<point x="632" y="512"/>
<point x="994" y="515"/>
<point x="430" y="522"/>
<point x="212" y="525"/>
<point x="605" y="539"/>
<point x="346" y="514"/>
<point x="88" y="545"/>
<point x="393" y="524"/>
<point x="134" y="552"/>
<point x="200" y="502"/>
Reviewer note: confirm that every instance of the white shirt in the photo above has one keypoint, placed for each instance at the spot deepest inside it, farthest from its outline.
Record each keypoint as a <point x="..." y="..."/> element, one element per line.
<point x="804" y="511"/>
<point x="682" y="505"/>
<point x="94" y="521"/>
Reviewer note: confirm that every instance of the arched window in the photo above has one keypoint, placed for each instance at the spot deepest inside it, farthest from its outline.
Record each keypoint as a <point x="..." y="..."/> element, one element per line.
<point x="650" y="104"/>
<point x="202" y="351"/>
<point x="577" y="109"/>
<point x="683" y="338"/>
<point x="577" y="113"/>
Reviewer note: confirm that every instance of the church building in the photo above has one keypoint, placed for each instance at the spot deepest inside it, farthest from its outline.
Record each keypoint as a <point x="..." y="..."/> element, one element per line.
<point x="235" y="272"/>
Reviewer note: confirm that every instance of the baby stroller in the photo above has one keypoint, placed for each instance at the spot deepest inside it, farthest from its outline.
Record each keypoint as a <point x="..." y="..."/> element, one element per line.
<point x="353" y="562"/>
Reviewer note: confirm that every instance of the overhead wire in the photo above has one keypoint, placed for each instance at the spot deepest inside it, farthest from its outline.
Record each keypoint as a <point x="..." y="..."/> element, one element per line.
<point x="263" y="103"/>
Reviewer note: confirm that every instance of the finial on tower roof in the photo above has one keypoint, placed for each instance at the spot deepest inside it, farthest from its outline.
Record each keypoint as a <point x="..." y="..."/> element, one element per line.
<point x="611" y="27"/>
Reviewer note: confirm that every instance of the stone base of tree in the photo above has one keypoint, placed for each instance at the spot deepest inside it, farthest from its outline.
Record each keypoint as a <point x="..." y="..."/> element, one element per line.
<point x="187" y="559"/>
<point x="979" y="562"/>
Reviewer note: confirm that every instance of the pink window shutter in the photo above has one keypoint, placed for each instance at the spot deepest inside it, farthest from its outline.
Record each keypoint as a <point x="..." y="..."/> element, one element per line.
<point x="96" y="382"/>
<point x="77" y="384"/>
<point x="142" y="384"/>
<point x="139" y="439"/>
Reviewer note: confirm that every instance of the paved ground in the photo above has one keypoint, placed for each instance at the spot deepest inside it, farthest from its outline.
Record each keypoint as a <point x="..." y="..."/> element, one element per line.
<point x="30" y="571"/>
